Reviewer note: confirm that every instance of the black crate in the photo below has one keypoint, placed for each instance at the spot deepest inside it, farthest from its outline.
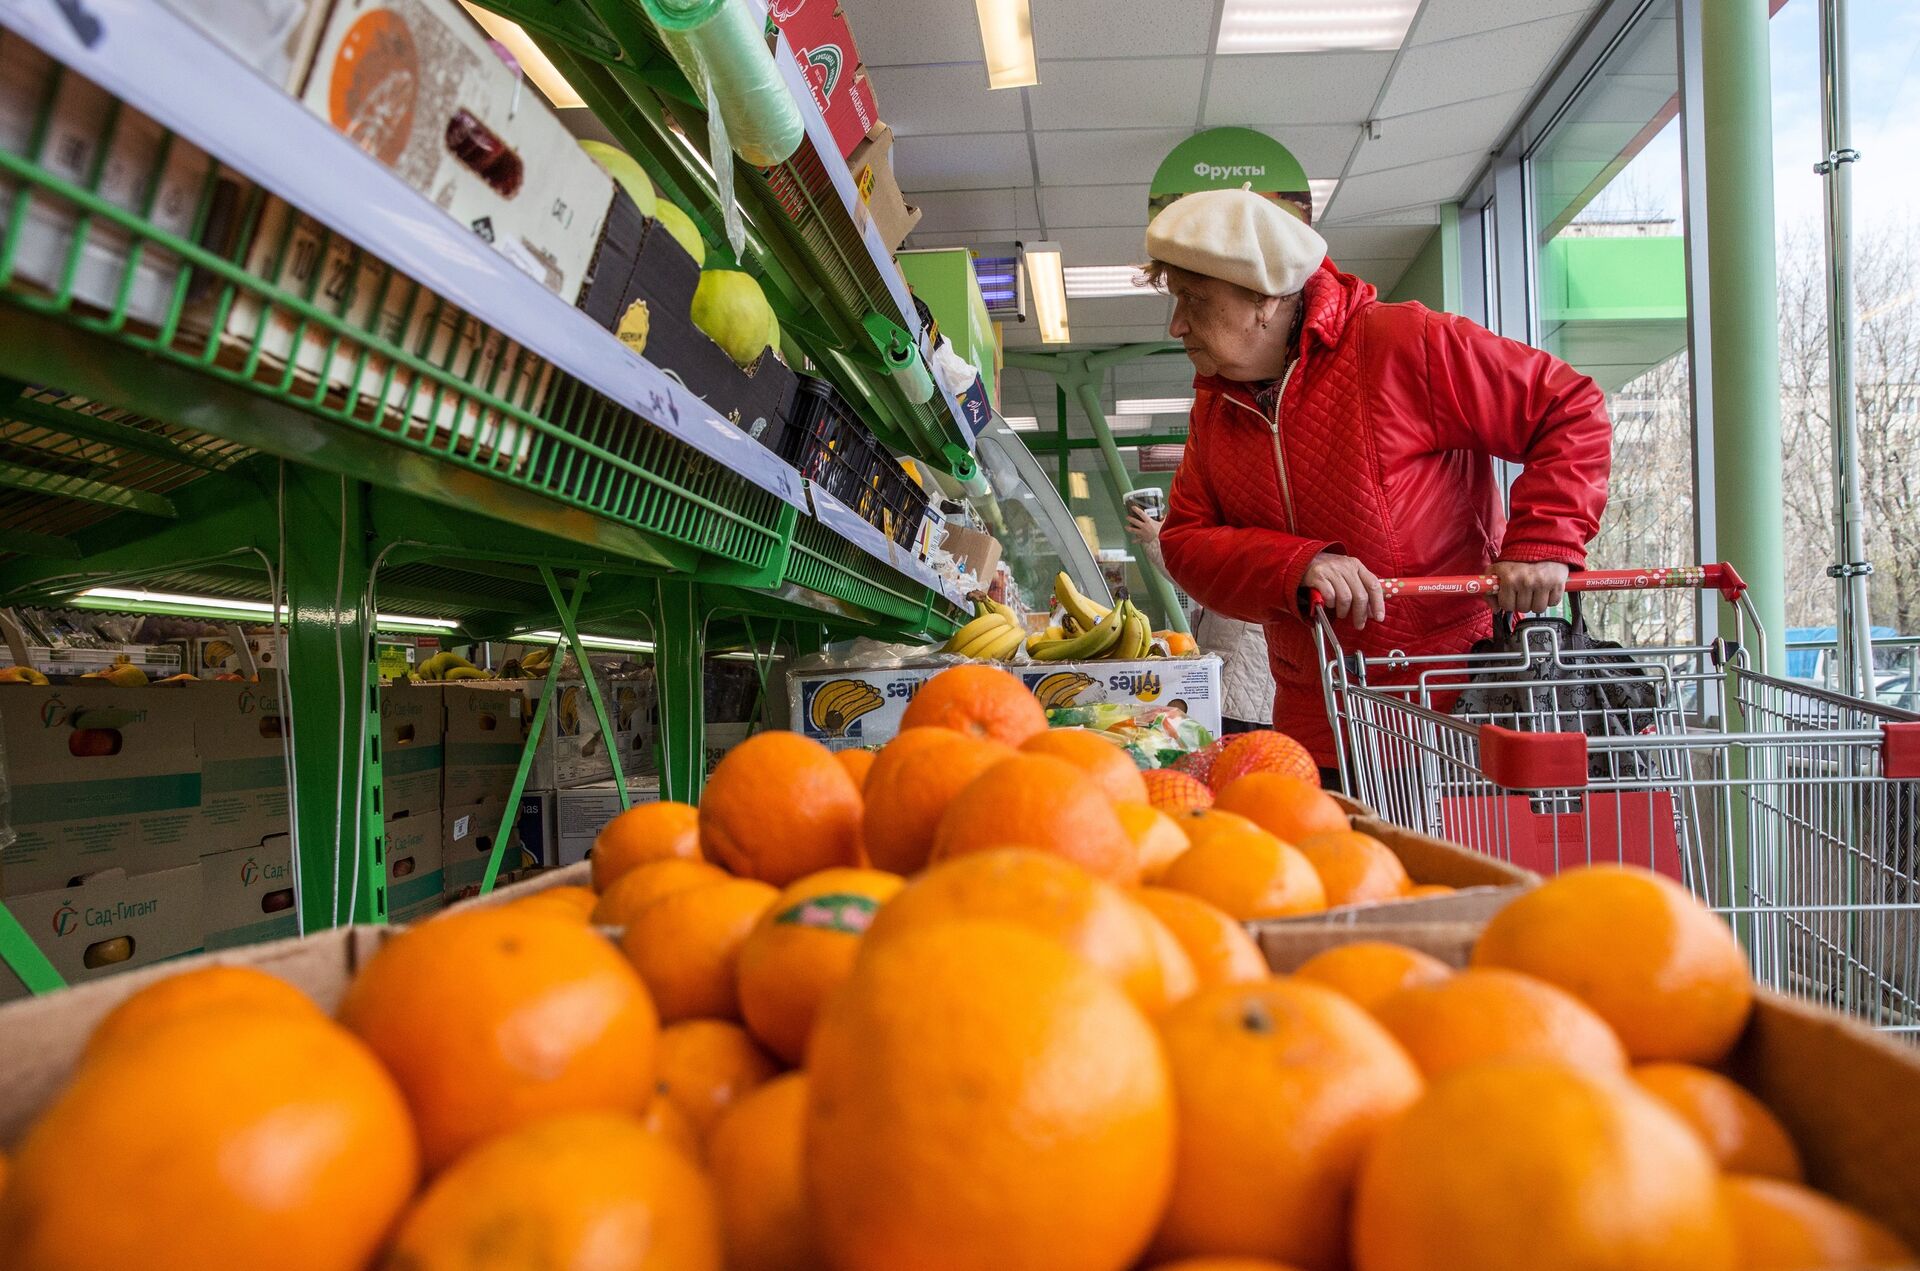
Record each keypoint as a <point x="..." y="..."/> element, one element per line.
<point x="903" y="504"/>
<point x="829" y="446"/>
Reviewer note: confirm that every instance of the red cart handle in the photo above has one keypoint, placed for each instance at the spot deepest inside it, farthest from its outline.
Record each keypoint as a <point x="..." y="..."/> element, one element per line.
<point x="1722" y="578"/>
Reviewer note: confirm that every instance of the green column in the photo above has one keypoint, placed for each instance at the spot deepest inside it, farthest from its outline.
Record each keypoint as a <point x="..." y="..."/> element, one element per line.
<point x="1743" y="303"/>
<point x="1064" y="469"/>
<point x="1114" y="471"/>
<point x="679" y="667"/>
<point x="333" y="694"/>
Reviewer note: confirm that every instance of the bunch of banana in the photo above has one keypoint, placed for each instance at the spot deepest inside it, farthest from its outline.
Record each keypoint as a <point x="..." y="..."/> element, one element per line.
<point x="1083" y="612"/>
<point x="448" y="665"/>
<point x="994" y="634"/>
<point x="533" y="666"/>
<point x="1122" y="633"/>
<point x="839" y="702"/>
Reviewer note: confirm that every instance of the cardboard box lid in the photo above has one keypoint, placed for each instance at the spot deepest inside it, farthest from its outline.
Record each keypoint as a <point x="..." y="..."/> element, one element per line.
<point x="149" y="732"/>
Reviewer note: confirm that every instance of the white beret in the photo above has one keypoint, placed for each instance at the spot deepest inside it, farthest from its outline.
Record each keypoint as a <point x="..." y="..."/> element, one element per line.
<point x="1240" y="236"/>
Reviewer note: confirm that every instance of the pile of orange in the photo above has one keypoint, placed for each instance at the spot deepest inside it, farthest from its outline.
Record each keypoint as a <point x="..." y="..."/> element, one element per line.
<point x="973" y="1003"/>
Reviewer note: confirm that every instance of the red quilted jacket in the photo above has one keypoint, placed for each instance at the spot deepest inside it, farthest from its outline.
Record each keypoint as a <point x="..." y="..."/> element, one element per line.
<point x="1382" y="449"/>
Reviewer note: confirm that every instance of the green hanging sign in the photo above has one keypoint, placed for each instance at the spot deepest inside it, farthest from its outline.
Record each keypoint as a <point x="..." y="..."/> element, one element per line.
<point x="1226" y="159"/>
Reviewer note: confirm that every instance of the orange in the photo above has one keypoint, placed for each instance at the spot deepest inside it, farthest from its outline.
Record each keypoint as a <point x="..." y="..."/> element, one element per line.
<point x="757" y="1166"/>
<point x="1178" y="978"/>
<point x="667" y="1119"/>
<point x="1110" y="767"/>
<point x="981" y="701"/>
<point x="1218" y="948"/>
<point x="644" y="832"/>
<point x="1040" y="802"/>
<point x="1355" y="868"/>
<point x="706" y="1064"/>
<point x="1222" y="1264"/>
<point x="1248" y="873"/>
<point x="1289" y="808"/>
<point x="1782" y="1226"/>
<point x="1278" y="1088"/>
<point x="1174" y="792"/>
<point x="979" y="1097"/>
<point x="858" y="763"/>
<point x="914" y="778"/>
<point x="686" y="946"/>
<point x="1044" y="894"/>
<point x="492" y="1018"/>
<point x="1484" y="1014"/>
<point x="590" y="1190"/>
<point x="231" y="1137"/>
<point x="1422" y="891"/>
<point x="646" y="883"/>
<point x="188" y="993"/>
<point x="1367" y="972"/>
<point x="1200" y="824"/>
<point x="1533" y="1165"/>
<point x="1157" y="838"/>
<point x="574" y="902"/>
<point x="801" y="948"/>
<point x="1653" y="961"/>
<point x="1263" y="750"/>
<point x="779" y="806"/>
<point x="1742" y="1135"/>
<point x="1178" y="643"/>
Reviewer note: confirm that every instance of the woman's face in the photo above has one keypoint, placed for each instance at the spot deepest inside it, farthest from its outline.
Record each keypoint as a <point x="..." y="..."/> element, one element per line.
<point x="1220" y="325"/>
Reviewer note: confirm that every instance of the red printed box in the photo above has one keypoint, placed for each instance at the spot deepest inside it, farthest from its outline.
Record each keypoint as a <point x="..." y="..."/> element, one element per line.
<point x="822" y="42"/>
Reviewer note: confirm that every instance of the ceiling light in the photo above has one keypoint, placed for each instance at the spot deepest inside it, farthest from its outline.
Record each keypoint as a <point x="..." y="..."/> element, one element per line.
<point x="1088" y="282"/>
<point x="1323" y="189"/>
<point x="1077" y="487"/>
<point x="538" y="67"/>
<point x="1314" y="26"/>
<point x="1022" y="423"/>
<point x="168" y="602"/>
<point x="1154" y="405"/>
<point x="1006" y="32"/>
<point x="1048" y="290"/>
<point x="589" y="641"/>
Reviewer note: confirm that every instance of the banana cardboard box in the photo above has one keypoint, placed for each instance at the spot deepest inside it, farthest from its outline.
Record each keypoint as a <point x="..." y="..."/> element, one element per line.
<point x="578" y="815"/>
<point x="247" y="894"/>
<point x="413" y="725"/>
<point x="111" y="923"/>
<point x="101" y="777"/>
<point x="849" y="709"/>
<point x="572" y="749"/>
<point x="241" y="737"/>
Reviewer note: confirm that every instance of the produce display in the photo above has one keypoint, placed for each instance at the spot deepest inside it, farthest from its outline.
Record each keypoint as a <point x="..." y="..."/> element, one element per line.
<point x="1087" y="631"/>
<point x="981" y="999"/>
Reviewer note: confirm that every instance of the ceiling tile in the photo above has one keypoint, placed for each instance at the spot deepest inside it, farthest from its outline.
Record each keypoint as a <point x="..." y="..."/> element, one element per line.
<point x="1102" y="157"/>
<point x="1104" y="246"/>
<point x="1164" y="93"/>
<point x="1470" y="125"/>
<point x="1506" y="60"/>
<point x="977" y="162"/>
<point x="1295" y="88"/>
<point x="985" y="213"/>
<point x="944" y="99"/>
<point x="1068" y="206"/>
<point x="1439" y="180"/>
<point x="1120" y="311"/>
<point x="1413" y="214"/>
<point x="1451" y="19"/>
<point x="1386" y="240"/>
<point x="1121" y="28"/>
<point x="1380" y="272"/>
<point x="912" y="32"/>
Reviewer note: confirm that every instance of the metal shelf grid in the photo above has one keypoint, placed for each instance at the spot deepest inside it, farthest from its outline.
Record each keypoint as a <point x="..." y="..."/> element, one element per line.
<point x="298" y="315"/>
<point x="823" y="561"/>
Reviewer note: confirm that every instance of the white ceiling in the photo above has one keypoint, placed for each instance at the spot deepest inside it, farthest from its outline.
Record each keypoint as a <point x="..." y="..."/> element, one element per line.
<point x="1123" y="81"/>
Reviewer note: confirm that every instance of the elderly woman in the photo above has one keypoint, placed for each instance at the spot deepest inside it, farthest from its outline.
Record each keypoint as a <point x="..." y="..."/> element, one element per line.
<point x="1337" y="440"/>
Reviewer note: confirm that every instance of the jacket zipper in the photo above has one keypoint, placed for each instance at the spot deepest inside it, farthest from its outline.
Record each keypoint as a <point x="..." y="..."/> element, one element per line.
<point x="1273" y="427"/>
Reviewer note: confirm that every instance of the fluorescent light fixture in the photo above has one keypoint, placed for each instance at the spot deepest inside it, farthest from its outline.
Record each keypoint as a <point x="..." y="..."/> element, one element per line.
<point x="221" y="606"/>
<point x="1322" y="188"/>
<point x="588" y="641"/>
<point x="1006" y="32"/>
<point x="1314" y="26"/>
<point x="1090" y="282"/>
<point x="1077" y="487"/>
<point x="1022" y="423"/>
<point x="538" y="67"/>
<point x="1154" y="405"/>
<point x="1048" y="290"/>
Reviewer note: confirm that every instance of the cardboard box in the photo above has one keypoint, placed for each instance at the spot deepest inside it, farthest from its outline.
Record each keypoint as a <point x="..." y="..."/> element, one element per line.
<point x="416" y="872"/>
<point x="247" y="895"/>
<point x="572" y="750"/>
<point x="212" y="656"/>
<point x="977" y="551"/>
<point x="101" y="778"/>
<point x="822" y="42"/>
<point x="486" y="733"/>
<point x="581" y="813"/>
<point x="866" y="716"/>
<point x="413" y="726"/>
<point x="467" y="836"/>
<point x="274" y="37"/>
<point x="85" y="129"/>
<point x="107" y="925"/>
<point x="872" y="164"/>
<point x="242" y="742"/>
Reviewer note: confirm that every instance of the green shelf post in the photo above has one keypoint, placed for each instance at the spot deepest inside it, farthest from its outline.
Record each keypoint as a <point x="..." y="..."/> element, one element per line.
<point x="19" y="952"/>
<point x="333" y="690"/>
<point x="680" y="672"/>
<point x="569" y="611"/>
<point x="572" y="636"/>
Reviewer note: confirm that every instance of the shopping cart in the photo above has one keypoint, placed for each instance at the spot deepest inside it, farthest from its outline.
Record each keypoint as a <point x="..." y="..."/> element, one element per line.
<point x="1792" y="811"/>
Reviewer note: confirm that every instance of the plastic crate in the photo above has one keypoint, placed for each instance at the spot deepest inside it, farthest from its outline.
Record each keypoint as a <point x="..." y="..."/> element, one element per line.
<point x="829" y="446"/>
<point x="903" y="504"/>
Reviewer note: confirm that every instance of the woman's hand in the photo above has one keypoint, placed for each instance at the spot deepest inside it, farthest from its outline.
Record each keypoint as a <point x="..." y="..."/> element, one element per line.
<point x="1529" y="586"/>
<point x="1350" y="589"/>
<point x="1141" y="528"/>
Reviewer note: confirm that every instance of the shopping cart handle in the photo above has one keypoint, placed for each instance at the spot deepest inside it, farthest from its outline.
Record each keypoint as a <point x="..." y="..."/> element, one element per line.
<point x="1722" y="578"/>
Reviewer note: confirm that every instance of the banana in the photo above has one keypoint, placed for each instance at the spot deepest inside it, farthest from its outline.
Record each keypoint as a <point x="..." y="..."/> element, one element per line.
<point x="1079" y="607"/>
<point x="1061" y="688"/>
<point x="1002" y="646"/>
<point x="467" y="673"/>
<point x="966" y="636"/>
<point x="990" y="637"/>
<point x="1135" y="637"/>
<point x="981" y="600"/>
<point x="1092" y="644"/>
